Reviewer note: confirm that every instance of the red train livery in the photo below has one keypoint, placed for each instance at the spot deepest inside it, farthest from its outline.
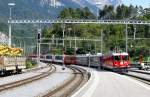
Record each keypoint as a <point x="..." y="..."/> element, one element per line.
<point x="69" y="59"/>
<point x="116" y="61"/>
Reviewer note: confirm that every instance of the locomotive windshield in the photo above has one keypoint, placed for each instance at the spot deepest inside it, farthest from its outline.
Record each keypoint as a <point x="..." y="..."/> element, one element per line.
<point x="117" y="58"/>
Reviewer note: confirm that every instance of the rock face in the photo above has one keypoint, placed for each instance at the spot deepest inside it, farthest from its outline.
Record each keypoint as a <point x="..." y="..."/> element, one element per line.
<point x="80" y="3"/>
<point x="91" y="4"/>
<point x="3" y="38"/>
<point x="50" y="8"/>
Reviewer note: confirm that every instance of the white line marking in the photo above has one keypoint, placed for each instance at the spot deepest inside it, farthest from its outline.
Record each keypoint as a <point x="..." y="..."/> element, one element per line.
<point x="92" y="89"/>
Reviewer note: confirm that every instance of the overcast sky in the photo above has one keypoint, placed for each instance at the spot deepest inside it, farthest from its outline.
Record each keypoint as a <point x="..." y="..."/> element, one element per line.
<point x="143" y="3"/>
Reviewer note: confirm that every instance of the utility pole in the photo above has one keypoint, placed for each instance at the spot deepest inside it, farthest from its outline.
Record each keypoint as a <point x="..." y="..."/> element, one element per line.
<point x="24" y="48"/>
<point x="69" y="29"/>
<point x="75" y="45"/>
<point x="70" y="43"/>
<point x="126" y="38"/>
<point x="20" y="44"/>
<point x="134" y="32"/>
<point x="39" y="45"/>
<point x="101" y="41"/>
<point x="53" y="38"/>
<point x="95" y="47"/>
<point x="63" y="27"/>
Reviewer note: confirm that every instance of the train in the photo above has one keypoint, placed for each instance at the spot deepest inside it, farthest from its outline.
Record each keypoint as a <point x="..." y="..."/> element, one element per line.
<point x="11" y="60"/>
<point x="113" y="61"/>
<point x="116" y="61"/>
<point x="11" y="64"/>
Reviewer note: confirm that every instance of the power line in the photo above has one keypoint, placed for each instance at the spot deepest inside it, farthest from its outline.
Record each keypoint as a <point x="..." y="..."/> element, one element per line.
<point x="78" y="39"/>
<point x="81" y="21"/>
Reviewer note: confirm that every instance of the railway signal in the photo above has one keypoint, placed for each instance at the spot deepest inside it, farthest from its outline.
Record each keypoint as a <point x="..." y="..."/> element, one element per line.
<point x="39" y="45"/>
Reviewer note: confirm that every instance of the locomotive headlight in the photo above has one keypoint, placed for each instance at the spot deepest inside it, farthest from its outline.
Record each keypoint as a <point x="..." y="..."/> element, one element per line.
<point x="121" y="63"/>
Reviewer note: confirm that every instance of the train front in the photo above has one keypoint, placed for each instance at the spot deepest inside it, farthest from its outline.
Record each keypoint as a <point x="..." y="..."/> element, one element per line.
<point x="121" y="61"/>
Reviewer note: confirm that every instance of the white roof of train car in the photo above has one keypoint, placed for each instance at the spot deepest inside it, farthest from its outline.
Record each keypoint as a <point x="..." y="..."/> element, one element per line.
<point x="117" y="54"/>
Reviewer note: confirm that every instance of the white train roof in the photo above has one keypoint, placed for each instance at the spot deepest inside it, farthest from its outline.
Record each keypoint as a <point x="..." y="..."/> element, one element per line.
<point x="122" y="53"/>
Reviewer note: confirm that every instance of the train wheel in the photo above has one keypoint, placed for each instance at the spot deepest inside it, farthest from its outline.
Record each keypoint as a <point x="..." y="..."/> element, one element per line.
<point x="3" y="72"/>
<point x="19" y="71"/>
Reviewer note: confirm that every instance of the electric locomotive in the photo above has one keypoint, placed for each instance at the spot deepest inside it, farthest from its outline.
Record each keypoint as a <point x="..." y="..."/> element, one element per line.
<point x="116" y="61"/>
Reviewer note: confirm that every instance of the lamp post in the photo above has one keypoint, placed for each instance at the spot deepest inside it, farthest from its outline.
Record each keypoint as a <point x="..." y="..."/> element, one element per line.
<point x="10" y="10"/>
<point x="10" y="17"/>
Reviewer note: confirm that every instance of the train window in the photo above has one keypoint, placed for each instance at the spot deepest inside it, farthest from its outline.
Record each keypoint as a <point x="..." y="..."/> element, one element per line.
<point x="48" y="57"/>
<point x="125" y="58"/>
<point x="59" y="57"/>
<point x="117" y="58"/>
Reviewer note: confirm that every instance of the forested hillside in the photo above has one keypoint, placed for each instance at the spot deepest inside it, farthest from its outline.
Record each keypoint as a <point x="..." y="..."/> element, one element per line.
<point x="113" y="35"/>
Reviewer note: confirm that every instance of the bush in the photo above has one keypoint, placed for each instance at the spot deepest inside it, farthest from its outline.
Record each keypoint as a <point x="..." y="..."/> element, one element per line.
<point x="29" y="64"/>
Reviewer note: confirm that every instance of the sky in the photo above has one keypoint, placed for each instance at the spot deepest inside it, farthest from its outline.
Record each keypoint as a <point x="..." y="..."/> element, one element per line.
<point x="143" y="3"/>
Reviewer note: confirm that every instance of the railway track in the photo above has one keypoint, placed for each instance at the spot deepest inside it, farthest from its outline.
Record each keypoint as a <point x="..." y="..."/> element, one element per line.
<point x="139" y="75"/>
<point x="74" y="83"/>
<point x="28" y="80"/>
<point x="140" y="71"/>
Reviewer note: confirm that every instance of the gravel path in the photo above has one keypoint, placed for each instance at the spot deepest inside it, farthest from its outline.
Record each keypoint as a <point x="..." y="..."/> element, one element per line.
<point x="39" y="87"/>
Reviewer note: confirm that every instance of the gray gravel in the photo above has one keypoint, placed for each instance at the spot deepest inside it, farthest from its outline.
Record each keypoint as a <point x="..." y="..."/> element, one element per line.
<point x="13" y="78"/>
<point x="39" y="87"/>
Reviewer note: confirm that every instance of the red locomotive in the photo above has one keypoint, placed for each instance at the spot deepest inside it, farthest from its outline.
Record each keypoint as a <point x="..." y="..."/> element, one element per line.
<point x="116" y="61"/>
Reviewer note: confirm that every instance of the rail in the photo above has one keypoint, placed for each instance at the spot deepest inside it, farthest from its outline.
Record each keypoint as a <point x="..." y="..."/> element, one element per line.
<point x="27" y="80"/>
<point x="140" y="71"/>
<point x="140" y="78"/>
<point x="69" y="86"/>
